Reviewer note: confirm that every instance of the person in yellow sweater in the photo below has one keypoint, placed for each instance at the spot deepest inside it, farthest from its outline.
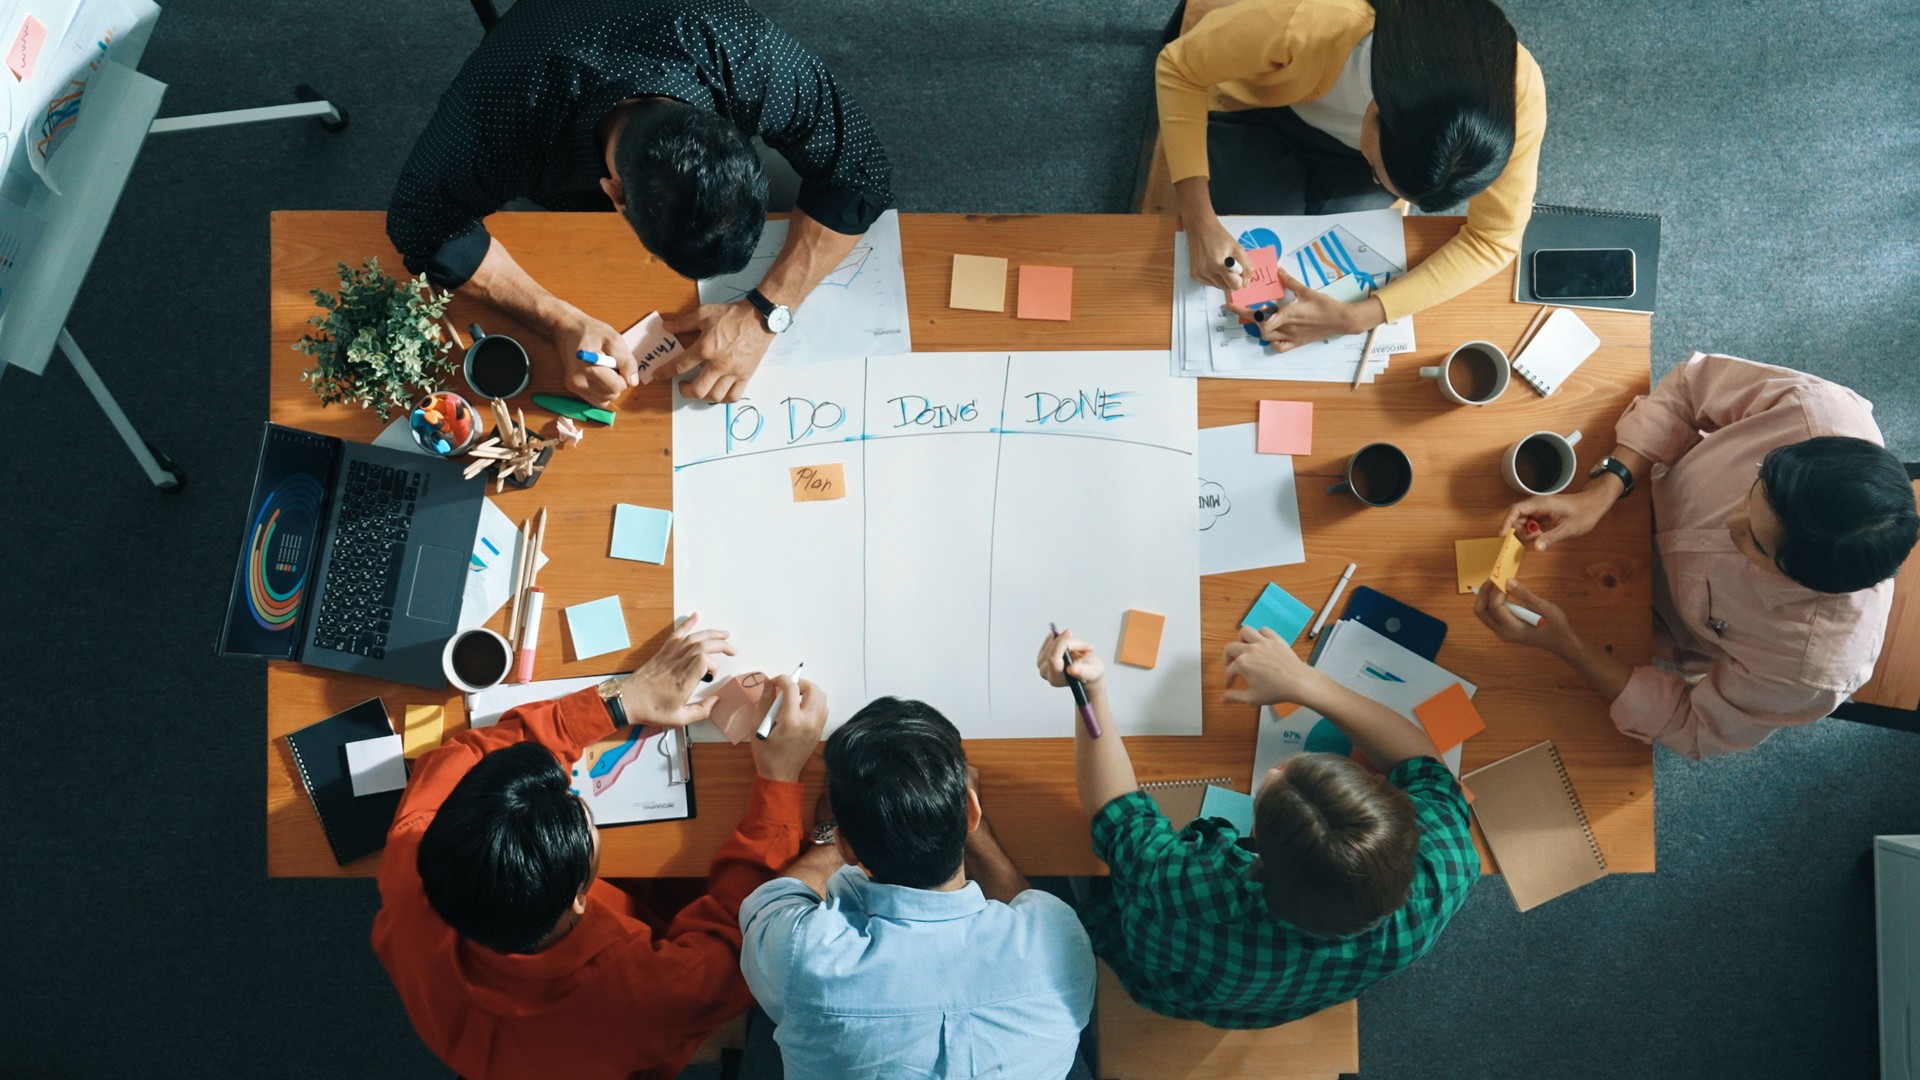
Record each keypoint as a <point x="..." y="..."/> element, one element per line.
<point x="1328" y="106"/>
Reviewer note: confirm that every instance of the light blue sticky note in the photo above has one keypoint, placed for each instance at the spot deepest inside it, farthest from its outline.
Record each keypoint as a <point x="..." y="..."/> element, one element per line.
<point x="1236" y="808"/>
<point x="640" y="533"/>
<point x="597" y="627"/>
<point x="1279" y="612"/>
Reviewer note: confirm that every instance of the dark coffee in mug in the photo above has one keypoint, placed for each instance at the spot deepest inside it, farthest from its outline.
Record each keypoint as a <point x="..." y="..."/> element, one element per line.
<point x="1381" y="475"/>
<point x="1538" y="465"/>
<point x="1473" y="374"/>
<point x="498" y="367"/>
<point x="479" y="659"/>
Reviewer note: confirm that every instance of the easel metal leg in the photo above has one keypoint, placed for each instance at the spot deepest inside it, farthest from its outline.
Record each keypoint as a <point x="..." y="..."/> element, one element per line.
<point x="161" y="477"/>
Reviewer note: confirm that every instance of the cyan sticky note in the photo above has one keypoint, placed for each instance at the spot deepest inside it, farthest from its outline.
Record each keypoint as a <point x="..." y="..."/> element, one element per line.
<point x="1233" y="806"/>
<point x="1279" y="612"/>
<point x="640" y="533"/>
<point x="598" y="626"/>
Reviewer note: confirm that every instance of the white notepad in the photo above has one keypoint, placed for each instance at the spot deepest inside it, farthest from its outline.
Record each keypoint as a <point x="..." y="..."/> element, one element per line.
<point x="1563" y="343"/>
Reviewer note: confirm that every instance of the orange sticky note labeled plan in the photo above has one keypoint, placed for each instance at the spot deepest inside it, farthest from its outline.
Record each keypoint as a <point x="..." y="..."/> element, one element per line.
<point x="819" y="483"/>
<point x="1286" y="427"/>
<point x="1140" y="641"/>
<point x="979" y="283"/>
<point x="1495" y="559"/>
<point x="1450" y="718"/>
<point x="1046" y="292"/>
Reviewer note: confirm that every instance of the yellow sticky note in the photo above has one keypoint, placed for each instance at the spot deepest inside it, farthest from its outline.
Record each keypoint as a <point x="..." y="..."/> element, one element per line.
<point x="422" y="731"/>
<point x="818" y="483"/>
<point x="979" y="283"/>
<point x="1495" y="559"/>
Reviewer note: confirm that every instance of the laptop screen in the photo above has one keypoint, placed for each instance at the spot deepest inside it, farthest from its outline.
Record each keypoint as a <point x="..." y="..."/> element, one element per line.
<point x="280" y="545"/>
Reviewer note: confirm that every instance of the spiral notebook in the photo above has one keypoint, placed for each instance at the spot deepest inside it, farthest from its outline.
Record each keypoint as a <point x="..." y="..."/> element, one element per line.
<point x="1562" y="344"/>
<point x="1579" y="227"/>
<point x="1534" y="824"/>
<point x="355" y="825"/>
<point x="1180" y="800"/>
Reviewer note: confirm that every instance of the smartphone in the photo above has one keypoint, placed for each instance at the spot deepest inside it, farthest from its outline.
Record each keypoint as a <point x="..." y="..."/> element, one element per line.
<point x="1583" y="273"/>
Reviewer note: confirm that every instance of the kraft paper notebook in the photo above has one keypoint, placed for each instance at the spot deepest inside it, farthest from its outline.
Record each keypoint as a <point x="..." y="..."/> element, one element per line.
<point x="1180" y="799"/>
<point x="1577" y="227"/>
<point x="1535" y="826"/>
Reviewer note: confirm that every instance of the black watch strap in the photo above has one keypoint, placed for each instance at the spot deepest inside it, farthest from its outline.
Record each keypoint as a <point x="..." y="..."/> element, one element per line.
<point x="760" y="303"/>
<point x="1608" y="464"/>
<point x="616" y="708"/>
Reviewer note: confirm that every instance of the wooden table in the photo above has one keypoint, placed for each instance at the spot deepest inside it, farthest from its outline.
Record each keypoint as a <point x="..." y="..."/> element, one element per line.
<point x="1123" y="289"/>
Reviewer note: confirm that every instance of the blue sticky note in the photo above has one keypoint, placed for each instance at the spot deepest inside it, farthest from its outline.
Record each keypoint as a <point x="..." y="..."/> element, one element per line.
<point x="640" y="533"/>
<point x="1279" y="612"/>
<point x="1236" y="808"/>
<point x="598" y="626"/>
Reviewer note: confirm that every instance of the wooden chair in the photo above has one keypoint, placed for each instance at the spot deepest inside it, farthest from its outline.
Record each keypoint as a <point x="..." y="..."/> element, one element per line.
<point x="1892" y="697"/>
<point x="1136" y="1044"/>
<point x="1153" y="185"/>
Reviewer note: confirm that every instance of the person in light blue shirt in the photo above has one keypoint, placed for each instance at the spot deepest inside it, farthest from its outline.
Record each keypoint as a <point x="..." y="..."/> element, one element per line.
<point x="907" y="944"/>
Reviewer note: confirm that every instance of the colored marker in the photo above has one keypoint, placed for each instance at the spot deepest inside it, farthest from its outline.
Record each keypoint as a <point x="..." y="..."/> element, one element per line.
<point x="530" y="633"/>
<point x="1233" y="266"/>
<point x="596" y="359"/>
<point x="1532" y="527"/>
<point x="1079" y="691"/>
<point x="1525" y="615"/>
<point x="766" y="724"/>
<point x="1338" y="588"/>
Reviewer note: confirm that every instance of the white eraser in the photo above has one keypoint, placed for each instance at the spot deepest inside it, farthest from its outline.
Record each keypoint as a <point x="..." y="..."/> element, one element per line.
<point x="377" y="765"/>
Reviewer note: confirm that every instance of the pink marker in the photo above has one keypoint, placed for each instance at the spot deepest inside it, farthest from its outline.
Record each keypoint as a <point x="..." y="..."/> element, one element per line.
<point x="530" y="633"/>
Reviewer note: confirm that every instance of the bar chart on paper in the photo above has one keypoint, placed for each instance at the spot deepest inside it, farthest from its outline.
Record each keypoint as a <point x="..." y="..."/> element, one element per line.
<point x="909" y="525"/>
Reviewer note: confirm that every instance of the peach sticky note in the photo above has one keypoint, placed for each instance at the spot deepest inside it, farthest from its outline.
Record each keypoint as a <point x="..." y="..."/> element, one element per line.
<point x="979" y="283"/>
<point x="1046" y="292"/>
<point x="1262" y="277"/>
<point x="24" y="52"/>
<point x="1495" y="559"/>
<point x="742" y="701"/>
<point x="1286" y="427"/>
<point x="1140" y="641"/>
<point x="651" y="344"/>
<point x="818" y="483"/>
<point x="422" y="731"/>
<point x="1450" y="718"/>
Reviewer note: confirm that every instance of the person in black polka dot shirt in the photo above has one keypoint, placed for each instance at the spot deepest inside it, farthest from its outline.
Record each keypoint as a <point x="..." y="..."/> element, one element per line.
<point x="577" y="104"/>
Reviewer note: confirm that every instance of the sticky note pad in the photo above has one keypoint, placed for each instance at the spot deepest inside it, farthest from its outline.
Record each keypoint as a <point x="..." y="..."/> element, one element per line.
<point x="1279" y="612"/>
<point x="979" y="283"/>
<point x="1286" y="427"/>
<point x="1450" y="718"/>
<point x="24" y="52"/>
<point x="743" y="701"/>
<point x="818" y="483"/>
<point x="1495" y="559"/>
<point x="598" y="626"/>
<point x="376" y="765"/>
<point x="640" y="533"/>
<point x="422" y="728"/>
<point x="652" y="345"/>
<point x="1234" y="806"/>
<point x="1140" y="640"/>
<point x="1046" y="292"/>
<point x="1262" y="277"/>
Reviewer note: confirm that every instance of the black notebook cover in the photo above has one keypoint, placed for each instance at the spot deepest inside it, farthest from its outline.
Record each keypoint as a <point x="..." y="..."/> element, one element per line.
<point x="1574" y="227"/>
<point x="355" y="825"/>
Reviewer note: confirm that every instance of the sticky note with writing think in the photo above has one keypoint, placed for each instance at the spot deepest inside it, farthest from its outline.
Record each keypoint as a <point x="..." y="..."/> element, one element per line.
<point x="818" y="483"/>
<point x="651" y="344"/>
<point x="1262" y="277"/>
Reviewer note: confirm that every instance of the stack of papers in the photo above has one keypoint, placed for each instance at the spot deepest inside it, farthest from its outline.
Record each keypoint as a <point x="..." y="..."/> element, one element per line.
<point x="1346" y="256"/>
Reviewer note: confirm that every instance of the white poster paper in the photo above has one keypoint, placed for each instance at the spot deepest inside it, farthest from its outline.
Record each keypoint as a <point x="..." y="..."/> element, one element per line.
<point x="859" y="309"/>
<point x="1249" y="510"/>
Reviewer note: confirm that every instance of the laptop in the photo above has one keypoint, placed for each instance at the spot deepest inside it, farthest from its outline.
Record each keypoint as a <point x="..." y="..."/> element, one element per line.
<point x="354" y="558"/>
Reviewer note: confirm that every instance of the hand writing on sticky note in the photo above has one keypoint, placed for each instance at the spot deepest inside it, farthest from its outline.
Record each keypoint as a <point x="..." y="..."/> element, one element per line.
<point x="819" y="483"/>
<point x="1262" y="275"/>
<point x="651" y="344"/>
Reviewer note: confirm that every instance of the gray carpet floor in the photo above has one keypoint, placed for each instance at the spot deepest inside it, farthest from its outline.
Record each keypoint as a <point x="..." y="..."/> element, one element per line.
<point x="1776" y="138"/>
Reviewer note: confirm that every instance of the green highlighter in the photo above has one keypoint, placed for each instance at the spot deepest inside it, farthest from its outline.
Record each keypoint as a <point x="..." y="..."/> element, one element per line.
<point x="572" y="408"/>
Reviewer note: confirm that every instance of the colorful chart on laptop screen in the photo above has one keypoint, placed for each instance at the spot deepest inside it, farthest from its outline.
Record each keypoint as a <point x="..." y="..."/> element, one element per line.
<point x="280" y="550"/>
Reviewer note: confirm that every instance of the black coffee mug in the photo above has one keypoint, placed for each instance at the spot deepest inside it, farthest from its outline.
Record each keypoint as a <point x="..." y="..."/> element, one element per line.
<point x="1379" y="474"/>
<point x="496" y="365"/>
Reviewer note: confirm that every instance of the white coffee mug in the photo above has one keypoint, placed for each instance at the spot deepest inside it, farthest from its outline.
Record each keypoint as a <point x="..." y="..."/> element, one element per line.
<point x="469" y="686"/>
<point x="1566" y="462"/>
<point x="1441" y="374"/>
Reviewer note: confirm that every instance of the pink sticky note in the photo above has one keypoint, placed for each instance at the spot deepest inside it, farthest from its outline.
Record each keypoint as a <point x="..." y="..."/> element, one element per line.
<point x="651" y="344"/>
<point x="1046" y="292"/>
<point x="1262" y="275"/>
<point x="1286" y="427"/>
<point x="25" y="50"/>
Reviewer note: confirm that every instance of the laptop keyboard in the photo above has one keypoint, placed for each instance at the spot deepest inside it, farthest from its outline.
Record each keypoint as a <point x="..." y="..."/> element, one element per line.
<point x="369" y="546"/>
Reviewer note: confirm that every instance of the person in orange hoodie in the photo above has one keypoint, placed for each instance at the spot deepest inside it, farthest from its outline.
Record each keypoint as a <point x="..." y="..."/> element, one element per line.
<point x="511" y="956"/>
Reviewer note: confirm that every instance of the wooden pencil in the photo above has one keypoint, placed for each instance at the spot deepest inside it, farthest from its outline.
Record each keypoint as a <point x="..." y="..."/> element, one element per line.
<point x="539" y="545"/>
<point x="1366" y="353"/>
<point x="1527" y="334"/>
<point x="519" y="582"/>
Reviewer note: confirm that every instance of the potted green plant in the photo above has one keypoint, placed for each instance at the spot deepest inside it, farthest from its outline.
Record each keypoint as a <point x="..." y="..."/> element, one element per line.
<point x="380" y="344"/>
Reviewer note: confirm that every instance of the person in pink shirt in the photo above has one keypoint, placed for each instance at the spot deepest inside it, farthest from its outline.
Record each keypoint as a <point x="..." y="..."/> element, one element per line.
<point x="1780" y="520"/>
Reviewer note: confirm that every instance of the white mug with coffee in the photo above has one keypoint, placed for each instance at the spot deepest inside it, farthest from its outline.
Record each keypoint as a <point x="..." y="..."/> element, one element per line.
<point x="476" y="660"/>
<point x="1476" y="373"/>
<point x="1543" y="463"/>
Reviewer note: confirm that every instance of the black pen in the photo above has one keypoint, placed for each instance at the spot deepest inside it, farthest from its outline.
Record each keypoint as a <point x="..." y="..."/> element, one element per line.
<point x="1079" y="691"/>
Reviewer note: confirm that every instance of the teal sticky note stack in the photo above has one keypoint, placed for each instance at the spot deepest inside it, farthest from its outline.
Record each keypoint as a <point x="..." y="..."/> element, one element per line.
<point x="1235" y="807"/>
<point x="640" y="533"/>
<point x="598" y="626"/>
<point x="1279" y="612"/>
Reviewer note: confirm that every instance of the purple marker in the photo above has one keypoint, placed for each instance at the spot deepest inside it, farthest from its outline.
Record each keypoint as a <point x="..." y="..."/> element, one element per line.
<point x="1079" y="691"/>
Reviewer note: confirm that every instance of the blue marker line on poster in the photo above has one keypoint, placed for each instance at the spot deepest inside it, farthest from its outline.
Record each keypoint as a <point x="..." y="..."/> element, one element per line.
<point x="1105" y="405"/>
<point x="742" y="424"/>
<point x="806" y="416"/>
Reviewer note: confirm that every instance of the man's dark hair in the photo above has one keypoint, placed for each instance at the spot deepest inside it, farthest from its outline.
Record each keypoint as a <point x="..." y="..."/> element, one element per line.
<point x="508" y="851"/>
<point x="1443" y="75"/>
<point x="897" y="778"/>
<point x="1846" y="512"/>
<point x="1336" y="845"/>
<point x="695" y="190"/>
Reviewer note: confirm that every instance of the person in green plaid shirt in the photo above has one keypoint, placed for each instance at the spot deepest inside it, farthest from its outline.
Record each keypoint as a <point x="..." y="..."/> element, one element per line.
<point x="1347" y="878"/>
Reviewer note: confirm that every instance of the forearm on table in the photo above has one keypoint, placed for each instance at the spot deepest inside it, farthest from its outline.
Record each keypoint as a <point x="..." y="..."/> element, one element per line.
<point x="1102" y="768"/>
<point x="1384" y="736"/>
<point x="503" y="284"/>
<point x="1598" y="667"/>
<point x="811" y="252"/>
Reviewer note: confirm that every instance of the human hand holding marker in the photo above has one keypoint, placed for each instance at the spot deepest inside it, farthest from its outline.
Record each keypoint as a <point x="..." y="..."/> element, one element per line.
<point x="1552" y="633"/>
<point x="1310" y="316"/>
<point x="1217" y="259"/>
<point x="595" y="384"/>
<point x="802" y="707"/>
<point x="774" y="710"/>
<point x="1067" y="662"/>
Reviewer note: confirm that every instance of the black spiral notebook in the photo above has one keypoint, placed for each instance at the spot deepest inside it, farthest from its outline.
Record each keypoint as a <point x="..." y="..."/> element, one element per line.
<point x="1577" y="227"/>
<point x="355" y="825"/>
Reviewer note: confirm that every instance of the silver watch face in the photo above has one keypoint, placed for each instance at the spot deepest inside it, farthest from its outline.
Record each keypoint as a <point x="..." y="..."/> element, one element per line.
<point x="779" y="318"/>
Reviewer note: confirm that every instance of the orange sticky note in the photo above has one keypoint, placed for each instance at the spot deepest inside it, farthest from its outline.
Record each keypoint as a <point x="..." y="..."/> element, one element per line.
<point x="1046" y="292"/>
<point x="1495" y="559"/>
<point x="1262" y="277"/>
<point x="24" y="52"/>
<point x="1450" y="718"/>
<point x="819" y="483"/>
<point x="979" y="283"/>
<point x="1286" y="427"/>
<point x="422" y="731"/>
<point x="743" y="703"/>
<point x="1140" y="641"/>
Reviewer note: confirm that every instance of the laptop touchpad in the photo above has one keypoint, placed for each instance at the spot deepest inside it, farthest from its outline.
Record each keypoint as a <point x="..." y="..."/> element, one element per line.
<point x="439" y="578"/>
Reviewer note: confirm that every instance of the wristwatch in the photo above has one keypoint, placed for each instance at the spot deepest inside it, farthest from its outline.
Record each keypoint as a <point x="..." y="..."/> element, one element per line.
<point x="1608" y="464"/>
<point x="778" y="316"/>
<point x="825" y="832"/>
<point x="610" y="697"/>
